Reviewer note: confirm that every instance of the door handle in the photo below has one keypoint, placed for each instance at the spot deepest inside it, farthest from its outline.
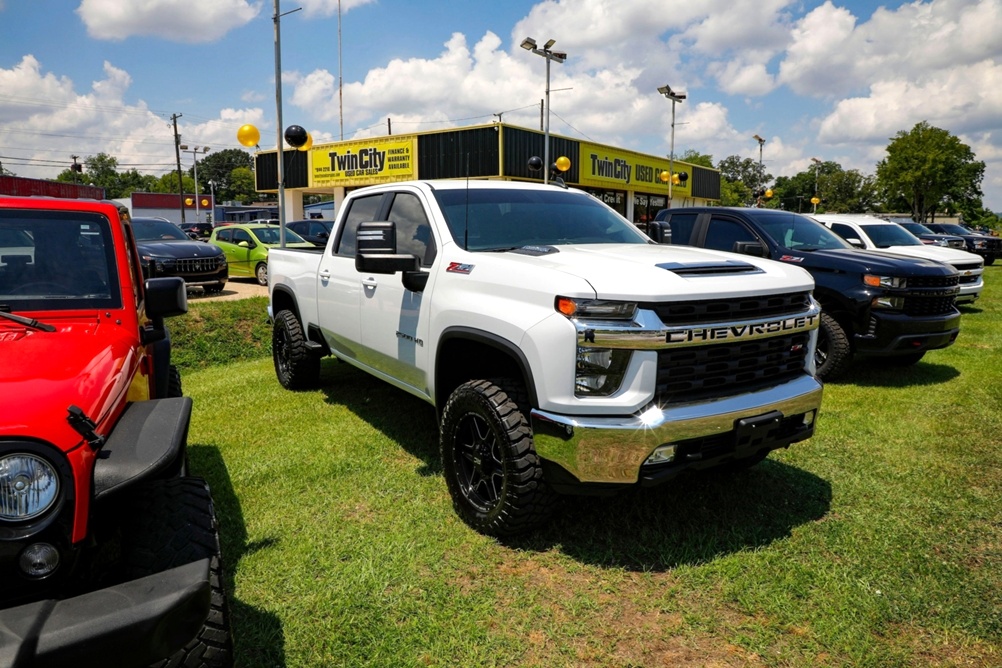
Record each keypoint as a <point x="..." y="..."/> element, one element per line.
<point x="369" y="282"/>
<point x="325" y="275"/>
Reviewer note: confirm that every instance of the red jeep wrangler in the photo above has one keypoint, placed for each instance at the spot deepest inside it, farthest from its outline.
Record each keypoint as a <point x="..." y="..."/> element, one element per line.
<point x="109" y="550"/>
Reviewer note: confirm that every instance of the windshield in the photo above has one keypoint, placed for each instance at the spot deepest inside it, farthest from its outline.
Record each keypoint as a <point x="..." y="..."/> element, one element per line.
<point x="52" y="260"/>
<point x="800" y="233"/>
<point x="916" y="228"/>
<point x="269" y="235"/>
<point x="885" y="236"/>
<point x="950" y="228"/>
<point x="499" y="219"/>
<point x="157" y="230"/>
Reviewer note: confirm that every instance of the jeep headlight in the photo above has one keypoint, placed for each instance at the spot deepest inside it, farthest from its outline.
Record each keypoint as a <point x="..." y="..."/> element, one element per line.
<point x="884" y="281"/>
<point x="29" y="486"/>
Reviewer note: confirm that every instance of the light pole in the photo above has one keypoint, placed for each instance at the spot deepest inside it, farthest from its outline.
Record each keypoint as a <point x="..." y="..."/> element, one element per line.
<point x="194" y="155"/>
<point x="212" y="191"/>
<point x="761" y="143"/>
<point x="817" y="170"/>
<point x="674" y="97"/>
<point x="529" y="44"/>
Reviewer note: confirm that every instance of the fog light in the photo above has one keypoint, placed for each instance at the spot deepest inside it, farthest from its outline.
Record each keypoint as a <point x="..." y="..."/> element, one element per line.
<point x="663" y="454"/>
<point x="39" y="560"/>
<point x="809" y="418"/>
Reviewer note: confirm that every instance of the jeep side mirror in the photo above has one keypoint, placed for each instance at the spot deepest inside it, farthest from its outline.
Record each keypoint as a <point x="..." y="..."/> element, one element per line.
<point x="376" y="250"/>
<point x="756" y="248"/>
<point x="165" y="297"/>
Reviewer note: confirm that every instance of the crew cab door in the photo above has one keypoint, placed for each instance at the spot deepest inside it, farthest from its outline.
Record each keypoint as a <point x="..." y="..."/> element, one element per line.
<point x="394" y="319"/>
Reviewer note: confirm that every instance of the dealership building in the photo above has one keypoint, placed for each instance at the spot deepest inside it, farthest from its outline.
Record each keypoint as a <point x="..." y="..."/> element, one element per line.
<point x="630" y="182"/>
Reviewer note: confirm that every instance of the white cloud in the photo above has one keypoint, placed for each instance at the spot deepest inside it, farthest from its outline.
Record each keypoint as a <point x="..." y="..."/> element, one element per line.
<point x="179" y="20"/>
<point x="330" y="7"/>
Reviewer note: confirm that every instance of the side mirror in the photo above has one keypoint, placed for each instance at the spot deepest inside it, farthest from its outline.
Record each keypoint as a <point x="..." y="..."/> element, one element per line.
<point x="377" y="249"/>
<point x="855" y="243"/>
<point x="247" y="244"/>
<point x="756" y="248"/>
<point x="659" y="231"/>
<point x="165" y="297"/>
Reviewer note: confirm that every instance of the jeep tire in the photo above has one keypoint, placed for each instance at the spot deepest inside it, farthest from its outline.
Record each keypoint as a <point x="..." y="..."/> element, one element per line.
<point x="489" y="461"/>
<point x="171" y="523"/>
<point x="296" y="366"/>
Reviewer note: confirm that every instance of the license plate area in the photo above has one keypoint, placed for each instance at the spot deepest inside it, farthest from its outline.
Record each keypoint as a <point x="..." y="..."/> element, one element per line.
<point x="751" y="432"/>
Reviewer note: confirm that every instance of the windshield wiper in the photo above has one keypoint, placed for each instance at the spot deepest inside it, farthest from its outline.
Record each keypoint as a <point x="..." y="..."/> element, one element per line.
<point x="27" y="322"/>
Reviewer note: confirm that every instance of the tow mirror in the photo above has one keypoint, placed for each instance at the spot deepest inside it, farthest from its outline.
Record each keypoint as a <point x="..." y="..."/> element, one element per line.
<point x="659" y="231"/>
<point x="756" y="248"/>
<point x="377" y="249"/>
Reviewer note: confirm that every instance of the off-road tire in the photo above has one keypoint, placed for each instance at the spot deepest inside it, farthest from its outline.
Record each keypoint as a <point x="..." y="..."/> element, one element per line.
<point x="261" y="273"/>
<point x="171" y="523"/>
<point x="989" y="261"/>
<point x="833" y="354"/>
<point x="489" y="460"/>
<point x="296" y="366"/>
<point x="174" y="382"/>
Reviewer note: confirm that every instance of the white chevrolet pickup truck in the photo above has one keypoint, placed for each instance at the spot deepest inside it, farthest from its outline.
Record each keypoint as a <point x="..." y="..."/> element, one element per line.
<point x="563" y="350"/>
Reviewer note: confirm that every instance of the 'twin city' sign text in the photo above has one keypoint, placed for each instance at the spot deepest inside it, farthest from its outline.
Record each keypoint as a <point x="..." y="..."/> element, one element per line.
<point x="362" y="162"/>
<point x="609" y="168"/>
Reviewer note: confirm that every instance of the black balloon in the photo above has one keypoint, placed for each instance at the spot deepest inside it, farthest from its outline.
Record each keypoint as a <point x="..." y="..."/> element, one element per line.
<point x="535" y="163"/>
<point x="296" y="135"/>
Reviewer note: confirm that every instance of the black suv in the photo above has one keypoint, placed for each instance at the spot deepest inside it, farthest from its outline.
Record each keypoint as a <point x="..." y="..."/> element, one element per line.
<point x="872" y="304"/>
<point x="987" y="247"/>
<point x="197" y="230"/>
<point x="165" y="250"/>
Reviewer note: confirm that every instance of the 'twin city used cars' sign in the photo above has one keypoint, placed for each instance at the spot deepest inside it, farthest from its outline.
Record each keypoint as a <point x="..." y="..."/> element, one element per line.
<point x="362" y="162"/>
<point x="602" y="167"/>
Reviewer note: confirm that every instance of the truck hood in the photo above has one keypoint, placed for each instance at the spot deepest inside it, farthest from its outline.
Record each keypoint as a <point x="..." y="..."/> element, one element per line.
<point x="43" y="373"/>
<point x="658" y="272"/>
<point x="954" y="256"/>
<point x="853" y="261"/>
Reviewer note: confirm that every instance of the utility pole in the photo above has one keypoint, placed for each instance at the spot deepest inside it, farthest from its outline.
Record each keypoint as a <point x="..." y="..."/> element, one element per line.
<point x="177" y="156"/>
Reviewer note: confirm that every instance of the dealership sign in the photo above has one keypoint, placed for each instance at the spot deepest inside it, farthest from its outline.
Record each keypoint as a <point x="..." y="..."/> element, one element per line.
<point x="602" y="167"/>
<point x="376" y="160"/>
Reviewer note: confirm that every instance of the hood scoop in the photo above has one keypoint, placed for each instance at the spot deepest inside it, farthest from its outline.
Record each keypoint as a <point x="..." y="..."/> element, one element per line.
<point x="710" y="268"/>
<point x="535" y="251"/>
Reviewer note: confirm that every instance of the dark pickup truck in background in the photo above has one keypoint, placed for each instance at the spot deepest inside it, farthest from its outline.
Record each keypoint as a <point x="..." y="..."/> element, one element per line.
<point x="872" y="304"/>
<point x="990" y="248"/>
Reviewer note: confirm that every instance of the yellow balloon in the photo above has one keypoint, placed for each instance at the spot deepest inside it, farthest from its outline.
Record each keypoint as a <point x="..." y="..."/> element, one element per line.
<point x="189" y="201"/>
<point x="768" y="193"/>
<point x="248" y="135"/>
<point x="675" y="179"/>
<point x="815" y="200"/>
<point x="308" y="144"/>
<point x="205" y="202"/>
<point x="563" y="163"/>
<point x="665" y="176"/>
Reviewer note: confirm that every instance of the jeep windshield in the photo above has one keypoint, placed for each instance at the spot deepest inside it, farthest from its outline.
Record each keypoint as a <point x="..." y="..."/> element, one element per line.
<point x="485" y="219"/>
<point x="55" y="260"/>
<point x="800" y="233"/>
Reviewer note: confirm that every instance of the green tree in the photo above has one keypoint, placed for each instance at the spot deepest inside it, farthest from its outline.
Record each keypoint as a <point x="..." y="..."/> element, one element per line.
<point x="931" y="171"/>
<point x="242" y="185"/>
<point x="694" y="157"/>
<point x="218" y="168"/>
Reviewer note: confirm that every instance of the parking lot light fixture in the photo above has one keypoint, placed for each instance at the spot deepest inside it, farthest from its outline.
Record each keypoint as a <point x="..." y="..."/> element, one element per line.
<point x="529" y="44"/>
<point x="674" y="97"/>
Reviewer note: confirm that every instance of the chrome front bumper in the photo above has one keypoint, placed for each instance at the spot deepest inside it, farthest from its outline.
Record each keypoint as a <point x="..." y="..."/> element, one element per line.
<point x="613" y="449"/>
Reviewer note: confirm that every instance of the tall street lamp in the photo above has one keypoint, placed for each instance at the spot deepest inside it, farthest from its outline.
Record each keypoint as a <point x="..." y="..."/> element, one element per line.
<point x="674" y="97"/>
<point x="194" y="155"/>
<point x="529" y="44"/>
<point x="817" y="170"/>
<point x="761" y="143"/>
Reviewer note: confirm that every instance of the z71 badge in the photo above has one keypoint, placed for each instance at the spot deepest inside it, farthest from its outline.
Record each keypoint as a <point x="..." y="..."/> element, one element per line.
<point x="459" y="268"/>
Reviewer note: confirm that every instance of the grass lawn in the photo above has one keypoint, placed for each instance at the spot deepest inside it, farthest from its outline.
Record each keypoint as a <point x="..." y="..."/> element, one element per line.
<point x="876" y="543"/>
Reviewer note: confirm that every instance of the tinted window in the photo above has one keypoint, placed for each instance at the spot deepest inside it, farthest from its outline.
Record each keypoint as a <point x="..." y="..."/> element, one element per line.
<point x="155" y="230"/>
<point x="682" y="225"/>
<point x="884" y="236"/>
<point x="845" y="231"/>
<point x="413" y="230"/>
<point x="799" y="232"/>
<point x="723" y="234"/>
<point x="362" y="209"/>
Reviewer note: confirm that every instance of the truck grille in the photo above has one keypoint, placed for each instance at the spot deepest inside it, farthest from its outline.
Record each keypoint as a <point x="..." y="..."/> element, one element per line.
<point x="750" y="308"/>
<point x="931" y="295"/>
<point x="729" y="367"/>
<point x="687" y="374"/>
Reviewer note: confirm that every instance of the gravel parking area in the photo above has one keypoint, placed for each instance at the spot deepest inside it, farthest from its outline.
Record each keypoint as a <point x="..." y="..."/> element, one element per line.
<point x="236" y="288"/>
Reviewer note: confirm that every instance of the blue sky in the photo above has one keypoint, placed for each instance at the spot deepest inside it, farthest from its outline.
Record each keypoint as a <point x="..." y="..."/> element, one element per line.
<point x="832" y="80"/>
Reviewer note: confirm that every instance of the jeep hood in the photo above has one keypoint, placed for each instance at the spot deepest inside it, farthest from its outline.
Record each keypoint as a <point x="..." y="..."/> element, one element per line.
<point x="43" y="373"/>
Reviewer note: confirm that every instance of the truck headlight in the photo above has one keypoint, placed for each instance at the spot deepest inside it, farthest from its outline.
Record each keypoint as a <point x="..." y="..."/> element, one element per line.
<point x="980" y="243"/>
<point x="596" y="309"/>
<point x="893" y="303"/>
<point x="884" y="281"/>
<point x="29" y="486"/>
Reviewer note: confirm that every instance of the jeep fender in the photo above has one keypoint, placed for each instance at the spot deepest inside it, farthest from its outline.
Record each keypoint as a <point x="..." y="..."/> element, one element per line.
<point x="149" y="439"/>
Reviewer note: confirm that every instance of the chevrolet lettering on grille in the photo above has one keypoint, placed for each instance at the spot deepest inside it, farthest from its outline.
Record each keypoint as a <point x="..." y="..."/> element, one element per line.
<point x="740" y="331"/>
